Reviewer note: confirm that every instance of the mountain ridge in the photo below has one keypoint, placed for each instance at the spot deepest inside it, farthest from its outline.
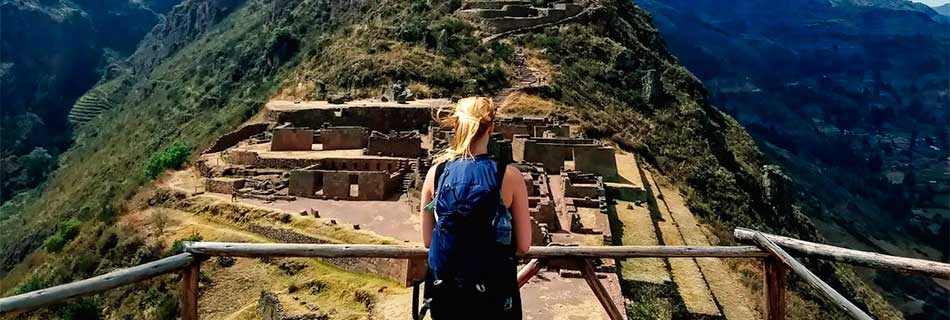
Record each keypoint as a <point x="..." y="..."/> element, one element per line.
<point x="209" y="84"/>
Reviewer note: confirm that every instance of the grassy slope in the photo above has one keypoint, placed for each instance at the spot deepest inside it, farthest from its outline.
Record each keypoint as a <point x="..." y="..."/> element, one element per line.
<point x="220" y="79"/>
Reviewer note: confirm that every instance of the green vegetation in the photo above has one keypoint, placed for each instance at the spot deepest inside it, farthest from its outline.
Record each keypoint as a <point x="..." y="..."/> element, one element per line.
<point x="173" y="157"/>
<point x="68" y="230"/>
<point x="618" y="82"/>
<point x="178" y="245"/>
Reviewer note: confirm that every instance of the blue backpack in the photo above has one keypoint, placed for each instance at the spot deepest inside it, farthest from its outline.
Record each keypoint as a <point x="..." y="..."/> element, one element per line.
<point x="472" y="263"/>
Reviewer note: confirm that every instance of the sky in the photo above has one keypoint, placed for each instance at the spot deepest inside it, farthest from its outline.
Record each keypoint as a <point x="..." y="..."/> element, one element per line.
<point x="932" y="3"/>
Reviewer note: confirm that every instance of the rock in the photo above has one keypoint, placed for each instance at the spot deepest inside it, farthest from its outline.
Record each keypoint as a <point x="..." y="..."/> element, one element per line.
<point x="319" y="90"/>
<point x="337" y="98"/>
<point x="356" y="227"/>
<point x="304" y="213"/>
<point x="400" y="92"/>
<point x="285" y="218"/>
<point x="316" y="214"/>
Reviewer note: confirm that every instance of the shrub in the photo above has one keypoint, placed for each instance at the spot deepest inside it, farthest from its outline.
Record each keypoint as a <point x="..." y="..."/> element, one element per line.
<point x="32" y="283"/>
<point x="178" y="245"/>
<point x="70" y="228"/>
<point x="172" y="157"/>
<point x="54" y="243"/>
<point x="85" y="309"/>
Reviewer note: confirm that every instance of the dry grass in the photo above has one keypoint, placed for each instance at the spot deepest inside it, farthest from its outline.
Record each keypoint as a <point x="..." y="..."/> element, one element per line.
<point x="523" y="104"/>
<point x="233" y="291"/>
<point x="638" y="230"/>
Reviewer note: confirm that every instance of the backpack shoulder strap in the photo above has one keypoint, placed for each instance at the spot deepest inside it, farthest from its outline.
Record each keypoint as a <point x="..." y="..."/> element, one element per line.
<point x="439" y="170"/>
<point x="500" y="172"/>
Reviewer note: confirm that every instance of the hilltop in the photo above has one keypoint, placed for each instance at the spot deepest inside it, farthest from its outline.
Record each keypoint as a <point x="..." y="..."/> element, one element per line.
<point x="214" y="65"/>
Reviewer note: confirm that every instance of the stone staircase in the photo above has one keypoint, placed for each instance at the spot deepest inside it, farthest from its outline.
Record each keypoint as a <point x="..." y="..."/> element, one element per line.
<point x="502" y="17"/>
<point x="409" y="179"/>
<point x="524" y="78"/>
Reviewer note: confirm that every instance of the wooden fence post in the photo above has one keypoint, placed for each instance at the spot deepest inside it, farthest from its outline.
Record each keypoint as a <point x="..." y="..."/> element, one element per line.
<point x="587" y="270"/>
<point x="189" y="291"/>
<point x="774" y="288"/>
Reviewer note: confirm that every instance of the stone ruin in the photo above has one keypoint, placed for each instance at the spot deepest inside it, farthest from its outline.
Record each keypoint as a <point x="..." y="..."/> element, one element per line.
<point x="406" y="144"/>
<point x="343" y="137"/>
<point x="349" y="179"/>
<point x="555" y="154"/>
<point x="291" y="139"/>
<point x="535" y="127"/>
<point x="585" y="202"/>
<point x="512" y="15"/>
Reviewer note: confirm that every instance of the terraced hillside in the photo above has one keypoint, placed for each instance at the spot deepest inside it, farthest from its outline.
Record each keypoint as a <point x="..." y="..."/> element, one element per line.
<point x="89" y="106"/>
<point x="201" y="75"/>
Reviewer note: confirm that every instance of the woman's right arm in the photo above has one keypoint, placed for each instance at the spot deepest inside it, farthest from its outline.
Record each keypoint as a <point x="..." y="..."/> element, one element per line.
<point x="428" y="219"/>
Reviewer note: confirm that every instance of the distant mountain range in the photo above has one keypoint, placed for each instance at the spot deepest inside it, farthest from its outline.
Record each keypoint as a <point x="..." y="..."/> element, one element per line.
<point x="851" y="97"/>
<point x="944" y="9"/>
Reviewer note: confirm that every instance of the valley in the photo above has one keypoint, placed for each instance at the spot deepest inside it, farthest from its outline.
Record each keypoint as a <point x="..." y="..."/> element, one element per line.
<point x="310" y="121"/>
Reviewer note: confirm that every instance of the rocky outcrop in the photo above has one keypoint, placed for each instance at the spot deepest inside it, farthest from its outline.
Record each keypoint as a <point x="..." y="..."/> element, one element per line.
<point x="180" y="26"/>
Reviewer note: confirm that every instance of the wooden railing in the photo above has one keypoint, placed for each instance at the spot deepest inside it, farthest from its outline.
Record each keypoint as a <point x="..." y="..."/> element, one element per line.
<point x="768" y="248"/>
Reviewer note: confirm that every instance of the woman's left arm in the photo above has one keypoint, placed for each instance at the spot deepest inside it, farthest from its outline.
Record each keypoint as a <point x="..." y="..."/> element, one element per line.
<point x="518" y="205"/>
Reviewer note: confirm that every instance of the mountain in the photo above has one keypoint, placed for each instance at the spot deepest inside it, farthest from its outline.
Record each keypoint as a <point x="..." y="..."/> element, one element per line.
<point x="943" y="9"/>
<point x="212" y="65"/>
<point x="851" y="97"/>
<point x="53" y="52"/>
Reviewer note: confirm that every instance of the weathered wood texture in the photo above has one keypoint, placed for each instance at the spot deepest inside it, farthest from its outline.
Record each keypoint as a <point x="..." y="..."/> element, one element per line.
<point x="44" y="297"/>
<point x="810" y="278"/>
<point x="774" y="288"/>
<point x="587" y="270"/>
<point x="389" y="251"/>
<point x="855" y="257"/>
<point x="189" y="291"/>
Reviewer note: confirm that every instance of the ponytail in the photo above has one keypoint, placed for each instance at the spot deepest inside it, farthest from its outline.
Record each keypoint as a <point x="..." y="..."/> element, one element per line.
<point x="471" y="119"/>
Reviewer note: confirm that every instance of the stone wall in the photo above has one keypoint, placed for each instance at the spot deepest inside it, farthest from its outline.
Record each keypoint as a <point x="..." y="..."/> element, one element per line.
<point x="234" y="137"/>
<point x="242" y="157"/>
<point x="379" y="118"/>
<point x="589" y="155"/>
<point x="361" y="164"/>
<point x="304" y="183"/>
<point x="600" y="160"/>
<point x="395" y="144"/>
<point x="338" y="184"/>
<point x="582" y="185"/>
<point x="224" y="185"/>
<point x="292" y="139"/>
<point x="337" y="138"/>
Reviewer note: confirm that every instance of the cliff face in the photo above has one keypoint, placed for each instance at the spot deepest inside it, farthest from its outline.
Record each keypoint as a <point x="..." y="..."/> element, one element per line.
<point x="846" y="95"/>
<point x="212" y="66"/>
<point x="53" y="52"/>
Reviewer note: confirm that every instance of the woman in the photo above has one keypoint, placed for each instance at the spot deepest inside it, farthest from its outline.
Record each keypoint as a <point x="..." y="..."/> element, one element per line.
<point x="474" y="221"/>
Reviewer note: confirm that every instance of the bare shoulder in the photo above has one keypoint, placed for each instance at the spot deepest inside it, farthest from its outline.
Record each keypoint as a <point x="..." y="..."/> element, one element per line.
<point x="512" y="173"/>
<point x="431" y="172"/>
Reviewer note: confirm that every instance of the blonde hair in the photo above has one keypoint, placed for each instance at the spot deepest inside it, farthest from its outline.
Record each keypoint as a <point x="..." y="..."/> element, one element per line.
<point x="470" y="120"/>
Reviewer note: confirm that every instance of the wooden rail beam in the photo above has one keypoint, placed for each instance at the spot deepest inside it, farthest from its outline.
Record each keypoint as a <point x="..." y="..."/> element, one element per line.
<point x="587" y="270"/>
<point x="44" y="297"/>
<point x="528" y="271"/>
<point x="856" y="257"/>
<point x="813" y="280"/>
<point x="401" y="252"/>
